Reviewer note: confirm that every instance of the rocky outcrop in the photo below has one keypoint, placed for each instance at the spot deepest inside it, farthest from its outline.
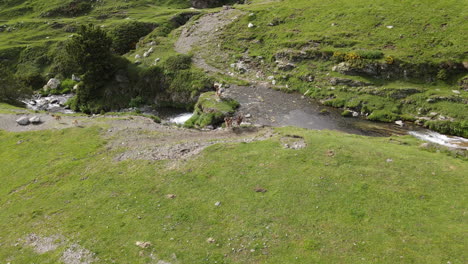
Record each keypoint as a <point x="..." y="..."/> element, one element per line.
<point x="294" y="56"/>
<point x="398" y="70"/>
<point x="348" y="82"/>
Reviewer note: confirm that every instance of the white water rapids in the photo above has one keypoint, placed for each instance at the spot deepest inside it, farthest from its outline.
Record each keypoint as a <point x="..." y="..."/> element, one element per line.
<point x="434" y="137"/>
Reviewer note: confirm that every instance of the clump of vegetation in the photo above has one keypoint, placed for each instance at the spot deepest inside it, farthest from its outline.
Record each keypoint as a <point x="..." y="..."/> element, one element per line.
<point x="383" y="116"/>
<point x="126" y="35"/>
<point x="458" y="128"/>
<point x="11" y="89"/>
<point x="211" y="110"/>
<point x="91" y="51"/>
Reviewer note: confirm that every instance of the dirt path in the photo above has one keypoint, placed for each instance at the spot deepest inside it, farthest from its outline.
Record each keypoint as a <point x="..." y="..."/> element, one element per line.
<point x="137" y="137"/>
<point x="203" y="32"/>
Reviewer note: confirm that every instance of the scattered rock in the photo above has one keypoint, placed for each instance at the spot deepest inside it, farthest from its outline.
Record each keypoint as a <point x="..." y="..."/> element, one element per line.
<point x="137" y="56"/>
<point x="286" y="66"/>
<point x="76" y="254"/>
<point x="35" y="120"/>
<point x="456" y="91"/>
<point x="44" y="244"/>
<point x="400" y="123"/>
<point x="218" y="203"/>
<point x="250" y="25"/>
<point x="171" y="196"/>
<point x="389" y="160"/>
<point x="211" y="240"/>
<point x="260" y="190"/>
<point x="76" y="78"/>
<point x="330" y="153"/>
<point x="23" y="121"/>
<point x="293" y="142"/>
<point x="143" y="244"/>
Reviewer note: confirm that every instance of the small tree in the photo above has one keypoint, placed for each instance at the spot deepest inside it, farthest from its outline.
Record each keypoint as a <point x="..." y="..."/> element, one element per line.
<point x="91" y="50"/>
<point x="11" y="90"/>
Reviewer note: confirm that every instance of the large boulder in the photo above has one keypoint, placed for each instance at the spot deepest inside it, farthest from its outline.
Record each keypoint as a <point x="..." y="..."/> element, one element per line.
<point x="52" y="84"/>
<point x="23" y="121"/>
<point x="211" y="110"/>
<point x="35" y="120"/>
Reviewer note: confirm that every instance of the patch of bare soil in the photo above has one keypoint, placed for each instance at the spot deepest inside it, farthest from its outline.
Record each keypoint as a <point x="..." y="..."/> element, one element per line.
<point x="43" y="244"/>
<point x="293" y="142"/>
<point x="140" y="138"/>
<point x="76" y="254"/>
<point x="204" y="32"/>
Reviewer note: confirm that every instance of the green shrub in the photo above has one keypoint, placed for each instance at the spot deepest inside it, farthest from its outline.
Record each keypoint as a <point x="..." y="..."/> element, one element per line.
<point x="136" y="102"/>
<point x="12" y="90"/>
<point x="337" y="102"/>
<point x="178" y="62"/>
<point x="346" y="113"/>
<point x="442" y="75"/>
<point x="125" y="36"/>
<point x="456" y="128"/>
<point x="383" y="116"/>
<point x="67" y="86"/>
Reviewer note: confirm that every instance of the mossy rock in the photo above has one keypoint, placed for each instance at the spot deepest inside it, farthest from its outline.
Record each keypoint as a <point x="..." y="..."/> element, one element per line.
<point x="211" y="110"/>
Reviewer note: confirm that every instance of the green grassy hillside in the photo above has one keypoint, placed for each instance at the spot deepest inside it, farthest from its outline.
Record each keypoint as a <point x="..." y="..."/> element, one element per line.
<point x="388" y="60"/>
<point x="341" y="199"/>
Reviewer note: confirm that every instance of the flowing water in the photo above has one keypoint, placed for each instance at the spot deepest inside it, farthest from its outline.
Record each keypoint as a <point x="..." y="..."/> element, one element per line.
<point x="263" y="106"/>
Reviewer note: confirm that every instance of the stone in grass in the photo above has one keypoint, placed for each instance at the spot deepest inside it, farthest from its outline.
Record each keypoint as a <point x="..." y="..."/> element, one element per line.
<point x="260" y="190"/>
<point x="171" y="196"/>
<point x="143" y="244"/>
<point x="23" y="121"/>
<point x="218" y="203"/>
<point x="211" y="240"/>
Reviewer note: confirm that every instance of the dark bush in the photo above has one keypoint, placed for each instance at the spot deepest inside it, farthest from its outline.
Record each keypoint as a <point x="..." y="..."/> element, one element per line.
<point x="126" y="35"/>
<point x="178" y="62"/>
<point x="11" y="90"/>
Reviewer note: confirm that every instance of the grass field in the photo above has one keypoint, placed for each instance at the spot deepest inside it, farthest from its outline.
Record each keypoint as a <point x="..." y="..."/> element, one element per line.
<point x="342" y="199"/>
